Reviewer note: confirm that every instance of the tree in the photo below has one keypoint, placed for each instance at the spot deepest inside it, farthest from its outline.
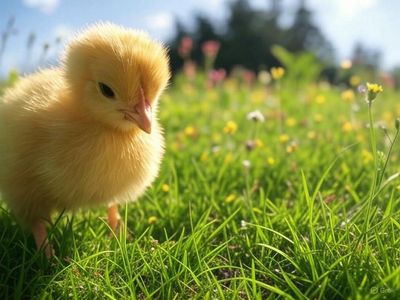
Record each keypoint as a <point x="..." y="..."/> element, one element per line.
<point x="248" y="34"/>
<point x="304" y="35"/>
<point x="176" y="61"/>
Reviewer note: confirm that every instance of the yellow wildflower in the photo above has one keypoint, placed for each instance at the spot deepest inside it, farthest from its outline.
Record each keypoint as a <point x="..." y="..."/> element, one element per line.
<point x="257" y="96"/>
<point x="228" y="158"/>
<point x="152" y="220"/>
<point x="366" y="156"/>
<point x="230" y="127"/>
<point x="355" y="80"/>
<point x="165" y="188"/>
<point x="277" y="72"/>
<point x="346" y="64"/>
<point x="292" y="147"/>
<point x="258" y="143"/>
<point x="271" y="161"/>
<point x="216" y="137"/>
<point x="348" y="95"/>
<point x="230" y="198"/>
<point x="360" y="137"/>
<point x="291" y="122"/>
<point x="190" y="131"/>
<point x="204" y="156"/>
<point x="311" y="135"/>
<point x="283" y="138"/>
<point x="318" y="118"/>
<point x="347" y="127"/>
<point x="373" y="90"/>
<point x="320" y="99"/>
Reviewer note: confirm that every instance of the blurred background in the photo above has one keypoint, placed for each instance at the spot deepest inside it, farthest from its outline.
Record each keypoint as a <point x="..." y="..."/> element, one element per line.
<point x="336" y="39"/>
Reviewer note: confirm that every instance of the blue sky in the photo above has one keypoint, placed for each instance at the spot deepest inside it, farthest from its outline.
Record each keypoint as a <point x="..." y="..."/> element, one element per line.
<point x="343" y="21"/>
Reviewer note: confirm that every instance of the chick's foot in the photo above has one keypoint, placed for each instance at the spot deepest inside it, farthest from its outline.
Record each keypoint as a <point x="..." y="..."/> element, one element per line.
<point x="39" y="232"/>
<point x="114" y="219"/>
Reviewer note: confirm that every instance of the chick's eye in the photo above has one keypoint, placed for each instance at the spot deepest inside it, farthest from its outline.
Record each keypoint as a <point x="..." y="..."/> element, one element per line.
<point x="106" y="90"/>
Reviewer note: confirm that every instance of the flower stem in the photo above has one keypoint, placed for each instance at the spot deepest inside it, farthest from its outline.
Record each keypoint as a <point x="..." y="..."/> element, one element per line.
<point x="376" y="168"/>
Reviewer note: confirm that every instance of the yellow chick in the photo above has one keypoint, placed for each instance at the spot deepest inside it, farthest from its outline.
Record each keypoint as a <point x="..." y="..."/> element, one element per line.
<point x="84" y="134"/>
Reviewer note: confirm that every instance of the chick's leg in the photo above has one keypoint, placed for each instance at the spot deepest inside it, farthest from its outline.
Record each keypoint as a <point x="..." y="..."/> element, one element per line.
<point x="39" y="232"/>
<point x="113" y="217"/>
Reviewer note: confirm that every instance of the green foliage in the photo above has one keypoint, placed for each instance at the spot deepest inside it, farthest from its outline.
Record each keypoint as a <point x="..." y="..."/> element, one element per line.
<point x="302" y="68"/>
<point x="12" y="78"/>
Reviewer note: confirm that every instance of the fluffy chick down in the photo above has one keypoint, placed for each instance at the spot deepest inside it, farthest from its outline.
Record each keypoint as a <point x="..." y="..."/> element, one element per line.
<point x="63" y="145"/>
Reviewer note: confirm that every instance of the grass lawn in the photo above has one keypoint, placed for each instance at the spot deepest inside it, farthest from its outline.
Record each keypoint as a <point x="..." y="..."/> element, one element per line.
<point x="292" y="207"/>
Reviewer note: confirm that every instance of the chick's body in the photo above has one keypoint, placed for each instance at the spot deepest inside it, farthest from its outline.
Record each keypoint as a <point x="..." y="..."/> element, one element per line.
<point x="66" y="143"/>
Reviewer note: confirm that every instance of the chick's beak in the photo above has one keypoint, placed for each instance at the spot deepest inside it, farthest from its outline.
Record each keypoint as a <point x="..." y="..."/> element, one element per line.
<point x="141" y="113"/>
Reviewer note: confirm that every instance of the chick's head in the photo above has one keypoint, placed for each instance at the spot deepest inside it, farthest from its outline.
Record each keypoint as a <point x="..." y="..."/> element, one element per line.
<point x="117" y="75"/>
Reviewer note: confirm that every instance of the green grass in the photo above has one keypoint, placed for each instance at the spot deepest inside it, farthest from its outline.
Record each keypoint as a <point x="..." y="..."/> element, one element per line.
<point x="300" y="223"/>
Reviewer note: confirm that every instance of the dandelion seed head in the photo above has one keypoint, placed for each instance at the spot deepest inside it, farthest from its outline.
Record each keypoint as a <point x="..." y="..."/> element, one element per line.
<point x="243" y="224"/>
<point x="246" y="164"/>
<point x="264" y="77"/>
<point x="256" y="116"/>
<point x="250" y="145"/>
<point x="215" y="149"/>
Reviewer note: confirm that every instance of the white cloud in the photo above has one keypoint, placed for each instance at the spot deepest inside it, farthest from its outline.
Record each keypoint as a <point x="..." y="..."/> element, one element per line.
<point x="214" y="4"/>
<point x="46" y="6"/>
<point x="159" y="21"/>
<point x="351" y="8"/>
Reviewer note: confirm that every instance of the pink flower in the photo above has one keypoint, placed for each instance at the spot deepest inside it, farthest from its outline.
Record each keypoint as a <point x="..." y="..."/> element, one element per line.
<point x="216" y="76"/>
<point x="248" y="76"/>
<point x="185" y="46"/>
<point x="210" y="48"/>
<point x="189" y="69"/>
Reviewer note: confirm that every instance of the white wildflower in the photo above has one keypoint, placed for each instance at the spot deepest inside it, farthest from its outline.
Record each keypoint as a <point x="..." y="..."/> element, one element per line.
<point x="256" y="116"/>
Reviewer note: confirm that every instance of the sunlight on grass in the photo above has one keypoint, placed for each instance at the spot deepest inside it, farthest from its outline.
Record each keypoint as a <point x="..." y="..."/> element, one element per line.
<point x="267" y="191"/>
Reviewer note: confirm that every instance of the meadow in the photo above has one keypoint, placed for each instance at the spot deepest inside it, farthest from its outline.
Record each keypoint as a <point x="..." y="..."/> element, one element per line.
<point x="271" y="188"/>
